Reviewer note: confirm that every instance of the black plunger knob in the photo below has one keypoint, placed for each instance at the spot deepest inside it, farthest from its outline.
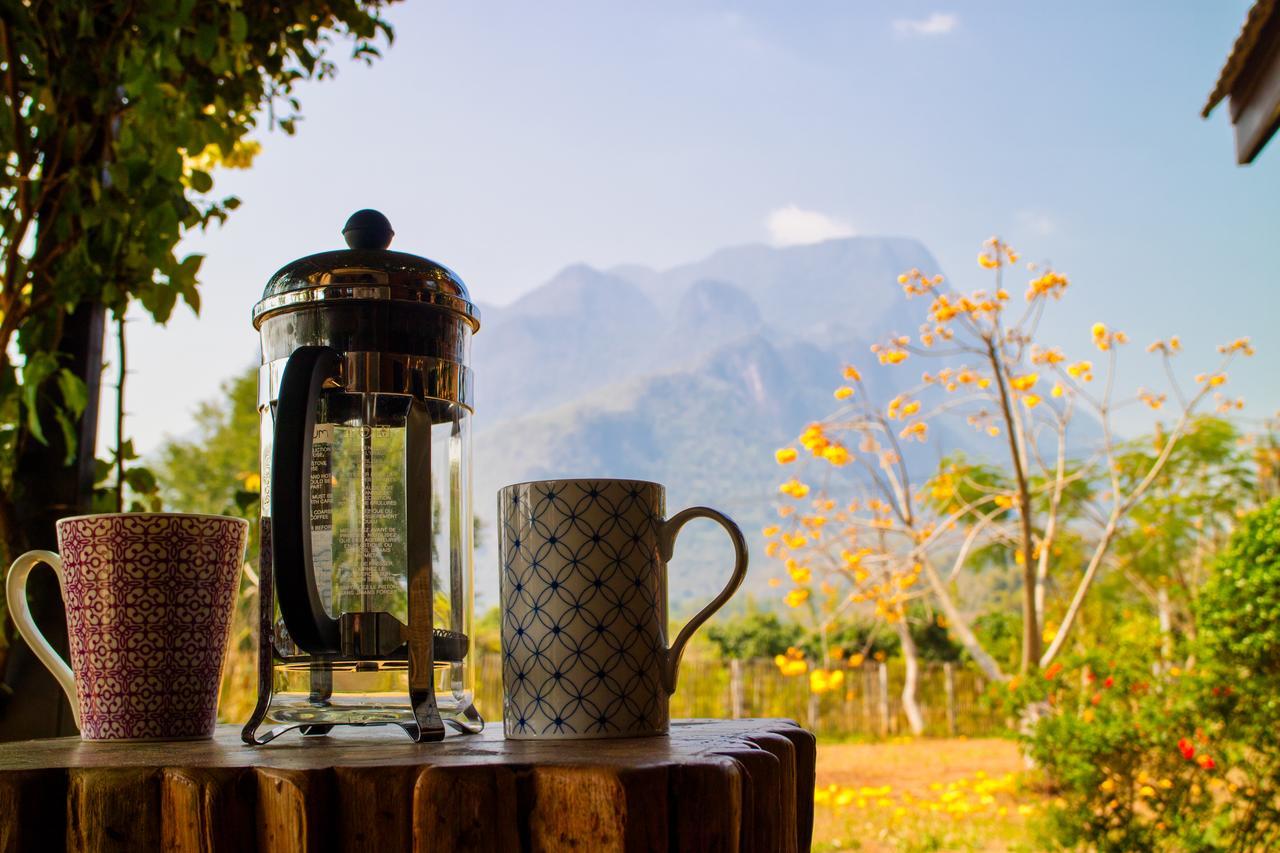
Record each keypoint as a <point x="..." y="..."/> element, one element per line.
<point x="368" y="229"/>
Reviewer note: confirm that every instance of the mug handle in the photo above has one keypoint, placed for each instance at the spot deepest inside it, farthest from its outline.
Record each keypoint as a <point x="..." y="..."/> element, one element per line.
<point x="666" y="545"/>
<point x="15" y="591"/>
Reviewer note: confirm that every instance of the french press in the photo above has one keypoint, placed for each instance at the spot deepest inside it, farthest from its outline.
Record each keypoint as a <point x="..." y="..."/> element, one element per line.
<point x="366" y="558"/>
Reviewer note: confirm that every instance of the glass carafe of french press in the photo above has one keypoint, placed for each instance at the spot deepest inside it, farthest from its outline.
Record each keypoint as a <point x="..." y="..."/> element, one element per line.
<point x="366" y="562"/>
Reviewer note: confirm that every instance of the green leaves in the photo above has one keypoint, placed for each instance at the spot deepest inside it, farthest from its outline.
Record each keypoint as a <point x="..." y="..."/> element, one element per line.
<point x="139" y="484"/>
<point x="38" y="368"/>
<point x="201" y="182"/>
<point x="238" y="26"/>
<point x="1239" y="609"/>
<point x="110" y="97"/>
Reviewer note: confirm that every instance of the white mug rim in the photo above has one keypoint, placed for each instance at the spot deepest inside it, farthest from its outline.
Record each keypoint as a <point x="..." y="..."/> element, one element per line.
<point x="144" y="515"/>
<point x="583" y="480"/>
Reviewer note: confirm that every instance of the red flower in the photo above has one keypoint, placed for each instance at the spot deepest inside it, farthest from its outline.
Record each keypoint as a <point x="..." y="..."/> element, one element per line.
<point x="1097" y="698"/>
<point x="1110" y="682"/>
<point x="1053" y="670"/>
<point x="1207" y="762"/>
<point x="1090" y="677"/>
<point x="1187" y="749"/>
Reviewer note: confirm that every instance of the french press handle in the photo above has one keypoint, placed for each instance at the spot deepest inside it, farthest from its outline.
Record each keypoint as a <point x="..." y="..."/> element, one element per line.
<point x="305" y="373"/>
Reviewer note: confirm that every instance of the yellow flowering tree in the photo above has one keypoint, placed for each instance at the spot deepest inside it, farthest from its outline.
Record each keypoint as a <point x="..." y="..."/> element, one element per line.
<point x="903" y="536"/>
<point x="843" y="561"/>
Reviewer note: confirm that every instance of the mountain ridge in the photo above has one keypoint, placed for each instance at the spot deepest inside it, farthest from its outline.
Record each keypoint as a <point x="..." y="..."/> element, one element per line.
<point x="690" y="376"/>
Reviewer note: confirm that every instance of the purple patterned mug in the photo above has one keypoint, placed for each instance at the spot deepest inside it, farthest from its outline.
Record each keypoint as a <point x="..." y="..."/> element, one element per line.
<point x="149" y="599"/>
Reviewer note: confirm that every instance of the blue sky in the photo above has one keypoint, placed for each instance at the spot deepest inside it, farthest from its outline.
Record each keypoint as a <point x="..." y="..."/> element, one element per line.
<point x="509" y="140"/>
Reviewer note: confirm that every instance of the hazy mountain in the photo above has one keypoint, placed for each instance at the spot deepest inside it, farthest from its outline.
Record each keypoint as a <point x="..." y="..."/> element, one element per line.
<point x="690" y="376"/>
<point x="852" y="280"/>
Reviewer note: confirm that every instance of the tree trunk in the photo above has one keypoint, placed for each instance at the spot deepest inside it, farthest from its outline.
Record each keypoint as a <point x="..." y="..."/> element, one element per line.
<point x="735" y="688"/>
<point x="1165" y="616"/>
<point x="45" y="489"/>
<point x="949" y="685"/>
<point x="911" y="681"/>
<point x="883" y="671"/>
<point x="959" y="626"/>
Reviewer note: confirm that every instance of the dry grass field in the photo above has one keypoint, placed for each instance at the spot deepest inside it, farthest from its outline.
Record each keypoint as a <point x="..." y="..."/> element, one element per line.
<point x="923" y="794"/>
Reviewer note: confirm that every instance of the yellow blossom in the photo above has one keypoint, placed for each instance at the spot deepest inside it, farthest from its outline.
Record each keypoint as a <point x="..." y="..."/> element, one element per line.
<point x="1052" y="355"/>
<point x="1025" y="382"/>
<point x="1082" y="370"/>
<point x="1108" y="786"/>
<point x="822" y="681"/>
<point x="796" y="597"/>
<point x="1104" y="338"/>
<point x="794" y="488"/>
<point x="791" y="663"/>
<point x="814" y="438"/>
<point x="1031" y="400"/>
<point x="771" y="530"/>
<point x="1048" y="284"/>
<point x="918" y="430"/>
<point x="1240" y="345"/>
<point x="800" y="574"/>
<point x="851" y="373"/>
<point x="844" y="392"/>
<point x="1146" y="791"/>
<point x="837" y="455"/>
<point x="1154" y="401"/>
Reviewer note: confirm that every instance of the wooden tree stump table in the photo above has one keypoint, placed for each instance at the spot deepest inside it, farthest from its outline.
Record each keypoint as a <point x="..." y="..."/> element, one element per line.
<point x="711" y="785"/>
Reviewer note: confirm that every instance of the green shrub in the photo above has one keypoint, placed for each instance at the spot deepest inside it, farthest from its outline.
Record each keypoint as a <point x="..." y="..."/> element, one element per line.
<point x="755" y="634"/>
<point x="1145" y="756"/>
<point x="1239" y="609"/>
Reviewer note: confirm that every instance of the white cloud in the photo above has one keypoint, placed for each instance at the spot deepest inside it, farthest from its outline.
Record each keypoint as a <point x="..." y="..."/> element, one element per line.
<point x="937" y="24"/>
<point x="794" y="226"/>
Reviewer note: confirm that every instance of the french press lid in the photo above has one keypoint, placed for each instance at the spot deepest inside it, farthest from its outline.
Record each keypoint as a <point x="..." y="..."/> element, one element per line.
<point x="369" y="271"/>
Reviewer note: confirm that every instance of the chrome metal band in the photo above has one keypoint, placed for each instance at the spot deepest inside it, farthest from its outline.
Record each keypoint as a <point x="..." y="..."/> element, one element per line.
<point x="419" y="376"/>
<point x="368" y="292"/>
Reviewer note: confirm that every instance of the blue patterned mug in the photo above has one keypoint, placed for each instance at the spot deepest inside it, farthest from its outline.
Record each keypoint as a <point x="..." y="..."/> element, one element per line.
<point x="584" y="607"/>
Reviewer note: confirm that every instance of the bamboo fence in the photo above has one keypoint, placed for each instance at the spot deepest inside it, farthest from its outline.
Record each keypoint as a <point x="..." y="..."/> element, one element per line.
<point x="867" y="705"/>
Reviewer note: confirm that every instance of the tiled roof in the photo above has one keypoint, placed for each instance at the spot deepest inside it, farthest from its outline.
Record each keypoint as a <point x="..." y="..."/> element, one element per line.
<point x="1245" y="43"/>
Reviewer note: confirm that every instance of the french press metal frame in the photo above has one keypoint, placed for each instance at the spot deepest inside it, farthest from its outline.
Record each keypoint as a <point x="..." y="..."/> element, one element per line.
<point x="433" y="385"/>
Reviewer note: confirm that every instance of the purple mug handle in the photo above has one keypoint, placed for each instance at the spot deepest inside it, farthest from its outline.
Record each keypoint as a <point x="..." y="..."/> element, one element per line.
<point x="15" y="590"/>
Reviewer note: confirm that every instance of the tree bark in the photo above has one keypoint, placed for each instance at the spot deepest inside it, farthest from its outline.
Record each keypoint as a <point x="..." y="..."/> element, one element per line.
<point x="1030" y="624"/>
<point x="960" y="626"/>
<point x="1164" y="614"/>
<point x="46" y="489"/>
<point x="911" y="681"/>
